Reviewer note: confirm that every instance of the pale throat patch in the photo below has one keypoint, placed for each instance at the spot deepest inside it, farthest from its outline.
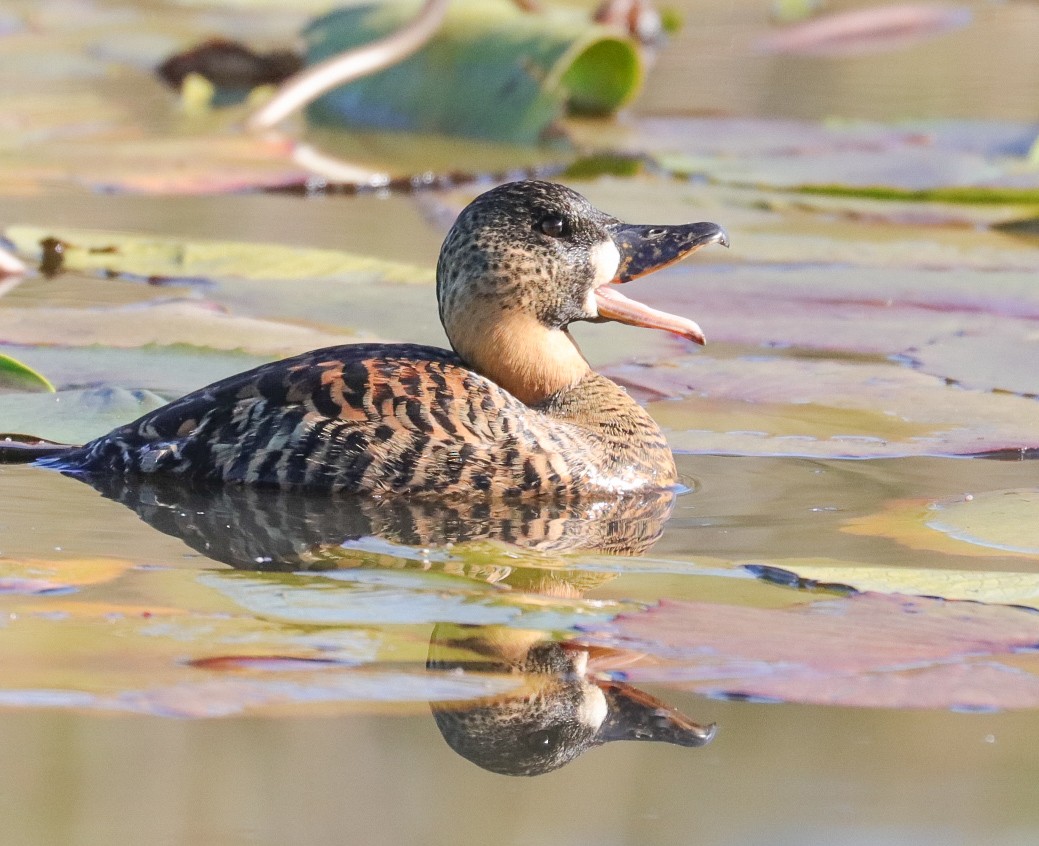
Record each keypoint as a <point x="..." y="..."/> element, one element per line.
<point x="593" y="708"/>
<point x="605" y="259"/>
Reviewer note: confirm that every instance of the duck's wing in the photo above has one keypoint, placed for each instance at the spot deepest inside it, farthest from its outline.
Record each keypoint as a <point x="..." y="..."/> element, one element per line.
<point x="374" y="418"/>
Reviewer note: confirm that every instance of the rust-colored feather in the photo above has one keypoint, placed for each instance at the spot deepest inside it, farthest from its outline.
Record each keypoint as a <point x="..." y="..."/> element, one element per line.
<point x="390" y="419"/>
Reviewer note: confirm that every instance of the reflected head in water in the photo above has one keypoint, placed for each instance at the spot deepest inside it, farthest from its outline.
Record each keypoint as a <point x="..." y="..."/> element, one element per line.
<point x="558" y="711"/>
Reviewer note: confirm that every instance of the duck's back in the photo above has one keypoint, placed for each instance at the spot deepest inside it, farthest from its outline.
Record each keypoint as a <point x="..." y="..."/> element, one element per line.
<point x="361" y="418"/>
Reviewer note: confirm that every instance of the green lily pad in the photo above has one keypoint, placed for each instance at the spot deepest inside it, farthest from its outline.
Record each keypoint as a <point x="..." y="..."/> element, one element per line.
<point x="14" y="374"/>
<point x="492" y="70"/>
<point x="868" y="650"/>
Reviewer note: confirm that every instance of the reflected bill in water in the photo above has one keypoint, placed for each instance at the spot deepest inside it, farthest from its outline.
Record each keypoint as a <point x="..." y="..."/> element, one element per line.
<point x="562" y="708"/>
<point x="568" y="697"/>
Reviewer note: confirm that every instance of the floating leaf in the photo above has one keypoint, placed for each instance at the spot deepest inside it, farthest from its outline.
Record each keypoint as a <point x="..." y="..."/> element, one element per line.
<point x="935" y="161"/>
<point x="1002" y="361"/>
<point x="73" y="572"/>
<point x="19" y="376"/>
<point x="74" y="416"/>
<point x="863" y="31"/>
<point x="998" y="588"/>
<point x="986" y="524"/>
<point x="868" y="650"/>
<point x="161" y="323"/>
<point x="168" y="258"/>
<point x="357" y="597"/>
<point x="491" y="71"/>
<point x="167" y="370"/>
<point x="771" y="405"/>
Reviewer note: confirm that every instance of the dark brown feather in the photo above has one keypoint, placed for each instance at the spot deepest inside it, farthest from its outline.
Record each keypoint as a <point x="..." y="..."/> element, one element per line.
<point x="400" y="419"/>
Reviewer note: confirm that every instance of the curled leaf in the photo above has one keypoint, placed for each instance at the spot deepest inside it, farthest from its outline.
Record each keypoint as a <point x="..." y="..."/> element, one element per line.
<point x="491" y="71"/>
<point x="18" y="376"/>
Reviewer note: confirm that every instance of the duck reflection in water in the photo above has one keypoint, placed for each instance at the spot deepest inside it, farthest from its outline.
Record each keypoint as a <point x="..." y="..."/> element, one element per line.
<point x="560" y="710"/>
<point x="567" y="699"/>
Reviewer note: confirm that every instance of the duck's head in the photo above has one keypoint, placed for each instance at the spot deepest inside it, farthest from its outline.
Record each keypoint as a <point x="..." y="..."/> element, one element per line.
<point x="526" y="259"/>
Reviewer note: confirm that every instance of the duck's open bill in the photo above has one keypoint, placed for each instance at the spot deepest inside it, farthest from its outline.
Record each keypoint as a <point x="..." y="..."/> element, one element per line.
<point x="644" y="249"/>
<point x="635" y="715"/>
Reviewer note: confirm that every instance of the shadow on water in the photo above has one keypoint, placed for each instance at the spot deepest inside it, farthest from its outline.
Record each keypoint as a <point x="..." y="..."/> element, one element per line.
<point x="568" y="698"/>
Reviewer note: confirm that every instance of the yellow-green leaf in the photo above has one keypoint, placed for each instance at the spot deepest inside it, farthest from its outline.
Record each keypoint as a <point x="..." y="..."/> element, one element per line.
<point x="156" y="257"/>
<point x="998" y="588"/>
<point x="14" y="374"/>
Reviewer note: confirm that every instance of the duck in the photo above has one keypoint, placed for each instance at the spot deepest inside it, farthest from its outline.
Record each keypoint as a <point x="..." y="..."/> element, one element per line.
<point x="512" y="410"/>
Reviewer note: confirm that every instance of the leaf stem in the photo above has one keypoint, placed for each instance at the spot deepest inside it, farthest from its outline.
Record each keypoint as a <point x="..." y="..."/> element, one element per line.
<point x="10" y="264"/>
<point x="307" y="85"/>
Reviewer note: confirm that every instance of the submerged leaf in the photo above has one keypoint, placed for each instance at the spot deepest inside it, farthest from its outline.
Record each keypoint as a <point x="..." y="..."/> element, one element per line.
<point x="74" y="416"/>
<point x="492" y="71"/>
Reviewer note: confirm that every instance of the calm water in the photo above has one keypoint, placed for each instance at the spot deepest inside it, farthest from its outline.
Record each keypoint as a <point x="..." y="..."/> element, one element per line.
<point x="774" y="774"/>
<point x="121" y="725"/>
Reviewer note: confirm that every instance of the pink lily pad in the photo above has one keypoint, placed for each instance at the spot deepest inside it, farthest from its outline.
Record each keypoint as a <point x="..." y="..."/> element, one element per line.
<point x="869" y="650"/>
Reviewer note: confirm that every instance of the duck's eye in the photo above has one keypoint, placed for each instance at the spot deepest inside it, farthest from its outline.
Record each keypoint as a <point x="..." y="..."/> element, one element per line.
<point x="542" y="741"/>
<point x="554" y="226"/>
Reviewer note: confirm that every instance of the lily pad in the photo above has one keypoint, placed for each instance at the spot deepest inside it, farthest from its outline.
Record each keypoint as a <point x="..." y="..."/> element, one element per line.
<point x="169" y="258"/>
<point x="771" y="405"/>
<point x="986" y="524"/>
<point x="357" y="597"/>
<point x="491" y="71"/>
<point x="74" y="416"/>
<point x="869" y="650"/>
<point x="993" y="587"/>
<point x="167" y="370"/>
<point x="923" y="161"/>
<point x="162" y="323"/>
<point x="1002" y="361"/>
<point x="863" y="31"/>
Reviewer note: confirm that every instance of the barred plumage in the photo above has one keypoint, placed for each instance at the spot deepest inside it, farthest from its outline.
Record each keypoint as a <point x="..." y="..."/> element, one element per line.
<point x="516" y="412"/>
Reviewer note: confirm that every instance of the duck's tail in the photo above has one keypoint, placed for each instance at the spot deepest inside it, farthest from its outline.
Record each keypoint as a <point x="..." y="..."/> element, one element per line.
<point x="24" y="449"/>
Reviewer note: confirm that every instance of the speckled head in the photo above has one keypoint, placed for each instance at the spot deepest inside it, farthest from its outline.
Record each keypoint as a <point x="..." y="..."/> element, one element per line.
<point x="557" y="713"/>
<point x="525" y="260"/>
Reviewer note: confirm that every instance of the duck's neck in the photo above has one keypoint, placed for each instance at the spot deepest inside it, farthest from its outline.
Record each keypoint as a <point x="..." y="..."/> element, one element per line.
<point x="529" y="360"/>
